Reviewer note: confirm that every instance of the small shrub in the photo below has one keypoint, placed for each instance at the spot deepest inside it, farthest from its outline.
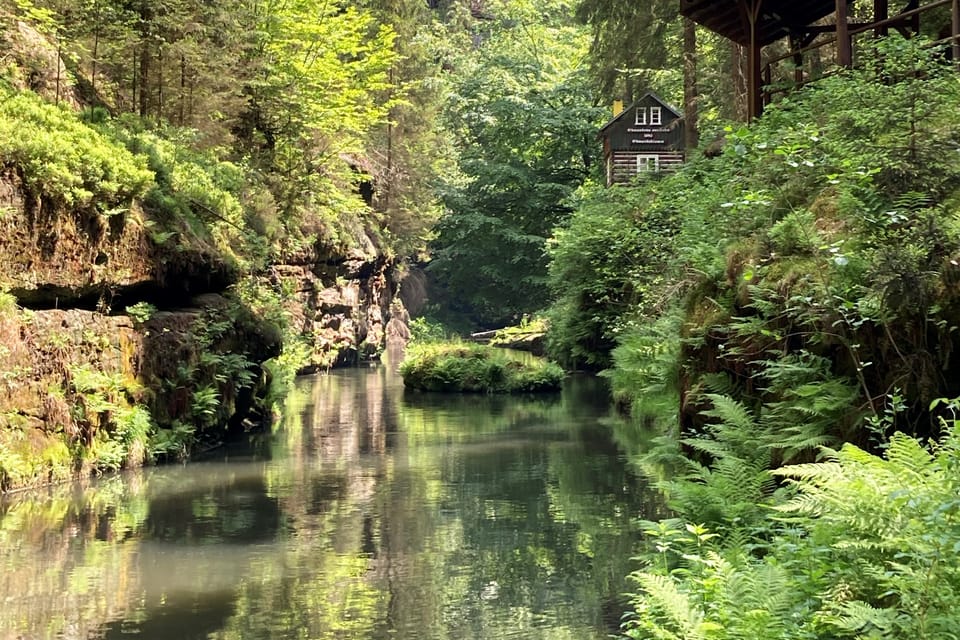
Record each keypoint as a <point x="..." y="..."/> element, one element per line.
<point x="457" y="366"/>
<point x="423" y="330"/>
<point x="141" y="311"/>
<point x="796" y="234"/>
<point x="860" y="547"/>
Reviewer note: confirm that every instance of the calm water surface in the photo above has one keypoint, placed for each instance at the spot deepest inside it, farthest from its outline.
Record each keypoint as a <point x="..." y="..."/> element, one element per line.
<point x="368" y="514"/>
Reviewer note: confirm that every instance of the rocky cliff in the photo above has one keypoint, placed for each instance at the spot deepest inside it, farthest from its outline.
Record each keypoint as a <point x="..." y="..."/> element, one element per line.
<point x="144" y="307"/>
<point x="118" y="350"/>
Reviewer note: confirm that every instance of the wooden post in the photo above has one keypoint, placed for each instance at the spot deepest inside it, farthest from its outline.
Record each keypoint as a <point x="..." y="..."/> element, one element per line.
<point x="881" y="12"/>
<point x="796" y="43"/>
<point x="844" y="53"/>
<point x="754" y="95"/>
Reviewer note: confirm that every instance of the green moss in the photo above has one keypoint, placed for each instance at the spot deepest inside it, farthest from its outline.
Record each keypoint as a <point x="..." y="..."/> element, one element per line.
<point x="457" y="366"/>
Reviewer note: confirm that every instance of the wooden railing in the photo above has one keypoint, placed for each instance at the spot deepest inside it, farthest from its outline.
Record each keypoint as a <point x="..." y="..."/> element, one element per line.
<point x="908" y="22"/>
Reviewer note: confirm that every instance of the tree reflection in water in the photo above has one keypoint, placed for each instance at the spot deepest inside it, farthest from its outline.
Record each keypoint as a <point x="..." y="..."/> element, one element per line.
<point x="369" y="514"/>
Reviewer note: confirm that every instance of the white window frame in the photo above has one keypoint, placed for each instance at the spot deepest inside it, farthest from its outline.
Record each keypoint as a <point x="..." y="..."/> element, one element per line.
<point x="644" y="164"/>
<point x="641" y="116"/>
<point x="656" y="116"/>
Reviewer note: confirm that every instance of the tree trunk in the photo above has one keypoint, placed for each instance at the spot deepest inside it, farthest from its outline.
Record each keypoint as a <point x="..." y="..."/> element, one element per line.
<point x="96" y="47"/>
<point x="145" y="27"/>
<point x="739" y="97"/>
<point x="690" y="93"/>
<point x="160" y="83"/>
<point x="144" y="75"/>
<point x="134" y="83"/>
<point x="183" y="87"/>
<point x="59" y="53"/>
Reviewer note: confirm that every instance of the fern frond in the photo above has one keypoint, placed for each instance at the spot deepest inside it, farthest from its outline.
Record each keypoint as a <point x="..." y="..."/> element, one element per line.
<point x="908" y="455"/>
<point x="807" y="503"/>
<point x="814" y="472"/>
<point x="717" y="450"/>
<point x="731" y="412"/>
<point x="672" y="603"/>
<point x="856" y="616"/>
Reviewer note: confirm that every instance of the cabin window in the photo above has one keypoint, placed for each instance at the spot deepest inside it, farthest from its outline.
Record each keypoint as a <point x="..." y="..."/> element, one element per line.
<point x="641" y="117"/>
<point x="655" y="116"/>
<point x="648" y="164"/>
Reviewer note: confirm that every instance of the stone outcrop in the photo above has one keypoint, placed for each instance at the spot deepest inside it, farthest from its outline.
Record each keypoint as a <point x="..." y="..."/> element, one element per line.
<point x="340" y="306"/>
<point x="48" y="254"/>
<point x="36" y="65"/>
<point x="71" y="322"/>
<point x="70" y="376"/>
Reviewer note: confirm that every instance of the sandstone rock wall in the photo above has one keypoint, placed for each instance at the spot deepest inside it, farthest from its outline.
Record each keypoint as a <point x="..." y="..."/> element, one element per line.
<point x="76" y="365"/>
<point x="339" y="307"/>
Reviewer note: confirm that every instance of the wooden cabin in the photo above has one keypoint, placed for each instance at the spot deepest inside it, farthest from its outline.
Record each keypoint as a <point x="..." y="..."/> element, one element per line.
<point x="646" y="137"/>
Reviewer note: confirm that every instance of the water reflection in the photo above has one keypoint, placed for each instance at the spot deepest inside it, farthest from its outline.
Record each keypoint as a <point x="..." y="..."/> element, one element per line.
<point x="371" y="513"/>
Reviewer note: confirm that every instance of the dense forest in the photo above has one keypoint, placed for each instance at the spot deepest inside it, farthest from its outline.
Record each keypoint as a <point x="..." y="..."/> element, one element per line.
<point x="779" y="315"/>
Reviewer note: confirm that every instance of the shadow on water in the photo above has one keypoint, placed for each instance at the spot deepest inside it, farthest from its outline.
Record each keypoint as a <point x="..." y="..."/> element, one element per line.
<point x="369" y="514"/>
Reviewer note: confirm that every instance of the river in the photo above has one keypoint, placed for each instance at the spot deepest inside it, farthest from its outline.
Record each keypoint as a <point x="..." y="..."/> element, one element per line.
<point x="368" y="513"/>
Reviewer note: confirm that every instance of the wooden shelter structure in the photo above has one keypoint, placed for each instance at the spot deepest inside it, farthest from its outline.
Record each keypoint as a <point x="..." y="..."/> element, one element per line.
<point x="808" y="24"/>
<point x="645" y="138"/>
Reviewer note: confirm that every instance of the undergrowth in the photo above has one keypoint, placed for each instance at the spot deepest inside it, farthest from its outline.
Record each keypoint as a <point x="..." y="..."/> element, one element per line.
<point x="64" y="160"/>
<point x="852" y="546"/>
<point x="459" y="366"/>
<point x="803" y="327"/>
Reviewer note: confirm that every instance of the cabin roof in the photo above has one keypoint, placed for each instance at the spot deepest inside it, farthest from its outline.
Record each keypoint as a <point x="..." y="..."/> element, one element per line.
<point x="777" y="18"/>
<point x="666" y="105"/>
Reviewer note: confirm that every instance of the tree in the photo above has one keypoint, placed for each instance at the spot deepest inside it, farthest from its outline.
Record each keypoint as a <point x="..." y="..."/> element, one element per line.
<point x="525" y="126"/>
<point x="409" y="152"/>
<point x="318" y="71"/>
<point x="634" y="48"/>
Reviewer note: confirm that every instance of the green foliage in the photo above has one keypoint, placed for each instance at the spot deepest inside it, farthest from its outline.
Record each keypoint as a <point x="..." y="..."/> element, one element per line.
<point x="423" y="330"/>
<point x="458" y="366"/>
<point x="860" y="548"/>
<point x="526" y="336"/>
<point x="270" y="303"/>
<point x="8" y="303"/>
<point x="64" y="160"/>
<point x="141" y="311"/>
<point x="22" y="464"/>
<point x="420" y="152"/>
<point x="320" y="86"/>
<point x="205" y="405"/>
<point x="819" y="234"/>
<point x="195" y="196"/>
<point x="524" y="126"/>
<point x="307" y="92"/>
<point x="175" y="442"/>
<point x="795" y="234"/>
<point x="605" y="262"/>
<point x="40" y="16"/>
<point x="115" y="427"/>
<point x="646" y="375"/>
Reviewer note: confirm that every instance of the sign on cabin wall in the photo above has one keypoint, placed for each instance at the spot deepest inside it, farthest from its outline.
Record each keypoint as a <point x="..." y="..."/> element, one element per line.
<point x="645" y="137"/>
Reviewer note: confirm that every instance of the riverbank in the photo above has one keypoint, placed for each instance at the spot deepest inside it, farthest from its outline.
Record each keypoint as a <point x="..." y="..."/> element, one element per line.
<point x="154" y="290"/>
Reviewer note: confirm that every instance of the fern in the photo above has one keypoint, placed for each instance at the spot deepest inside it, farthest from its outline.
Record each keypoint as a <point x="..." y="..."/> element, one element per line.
<point x="730" y="412"/>
<point x="678" y="618"/>
<point x="861" y="618"/>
